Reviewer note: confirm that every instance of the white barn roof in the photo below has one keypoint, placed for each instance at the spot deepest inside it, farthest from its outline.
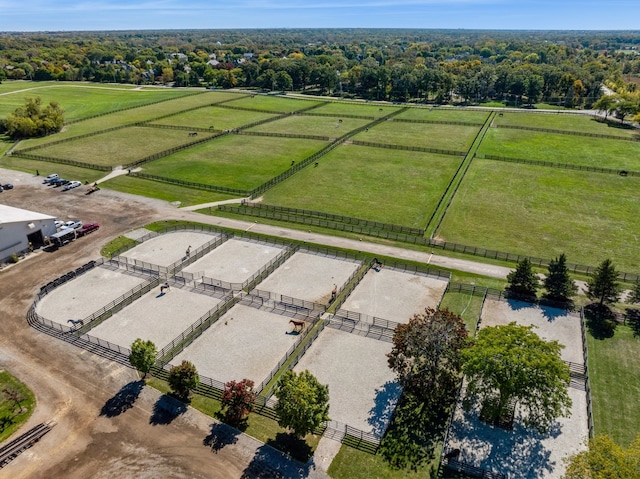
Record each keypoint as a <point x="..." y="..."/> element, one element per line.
<point x="9" y="214"/>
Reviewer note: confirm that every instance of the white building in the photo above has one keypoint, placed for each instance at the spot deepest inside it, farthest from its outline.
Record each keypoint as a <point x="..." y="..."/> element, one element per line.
<point x="20" y="227"/>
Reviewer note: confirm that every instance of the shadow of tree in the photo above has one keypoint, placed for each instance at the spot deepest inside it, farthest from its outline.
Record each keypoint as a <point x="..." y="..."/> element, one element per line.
<point x="269" y="463"/>
<point x="416" y="430"/>
<point x="633" y="319"/>
<point x="292" y="445"/>
<point x="166" y="409"/>
<point x="384" y="406"/>
<point x="123" y="399"/>
<point x="221" y="435"/>
<point x="600" y="321"/>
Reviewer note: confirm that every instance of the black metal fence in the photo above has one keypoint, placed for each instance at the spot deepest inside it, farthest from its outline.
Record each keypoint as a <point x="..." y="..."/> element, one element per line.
<point x="284" y="135"/>
<point x="585" y="352"/>
<point x="61" y="161"/>
<point x="438" y="122"/>
<point x="422" y="149"/>
<point x="567" y="132"/>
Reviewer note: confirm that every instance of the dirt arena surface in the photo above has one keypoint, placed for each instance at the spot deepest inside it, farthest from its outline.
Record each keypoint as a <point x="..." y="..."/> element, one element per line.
<point x="309" y="276"/>
<point x="522" y="453"/>
<point x="362" y="389"/>
<point x="157" y="317"/>
<point x="244" y="343"/>
<point x="166" y="249"/>
<point x="234" y="261"/>
<point x="104" y="431"/>
<point x="86" y="294"/>
<point x="394" y="295"/>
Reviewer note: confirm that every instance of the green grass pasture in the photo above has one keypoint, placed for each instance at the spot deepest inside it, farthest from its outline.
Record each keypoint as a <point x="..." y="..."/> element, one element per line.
<point x="399" y="187"/>
<point x="466" y="305"/>
<point x="234" y="161"/>
<point x="80" y="100"/>
<point x="350" y="463"/>
<point x="566" y="122"/>
<point x="425" y="135"/>
<point x="219" y="118"/>
<point x="615" y="384"/>
<point x="46" y="168"/>
<point x="12" y="415"/>
<point x="360" y="109"/>
<point x="311" y="125"/>
<point x="118" y="147"/>
<point x="162" y="191"/>
<point x="271" y="103"/>
<point x="444" y="114"/>
<point x="558" y="148"/>
<point x="543" y="212"/>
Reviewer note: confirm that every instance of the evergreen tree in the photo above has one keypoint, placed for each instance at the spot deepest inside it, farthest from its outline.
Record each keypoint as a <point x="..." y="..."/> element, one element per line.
<point x="558" y="283"/>
<point x="603" y="285"/>
<point x="634" y="297"/>
<point x="523" y="281"/>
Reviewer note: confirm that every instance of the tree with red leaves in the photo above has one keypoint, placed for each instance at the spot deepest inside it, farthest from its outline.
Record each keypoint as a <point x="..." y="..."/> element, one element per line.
<point x="238" y="399"/>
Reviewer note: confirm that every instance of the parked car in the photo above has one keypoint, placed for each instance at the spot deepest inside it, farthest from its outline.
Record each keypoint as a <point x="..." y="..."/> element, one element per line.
<point x="71" y="185"/>
<point x="56" y="182"/>
<point x="48" y="179"/>
<point x="61" y="182"/>
<point x="74" y="225"/>
<point x="59" y="224"/>
<point x="7" y="186"/>
<point x="86" y="229"/>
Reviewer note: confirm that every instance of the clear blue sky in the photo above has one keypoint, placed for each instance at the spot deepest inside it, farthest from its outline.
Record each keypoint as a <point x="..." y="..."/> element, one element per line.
<point x="56" y="15"/>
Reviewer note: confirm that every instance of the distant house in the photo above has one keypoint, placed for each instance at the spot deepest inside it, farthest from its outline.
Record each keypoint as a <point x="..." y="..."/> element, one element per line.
<point x="248" y="56"/>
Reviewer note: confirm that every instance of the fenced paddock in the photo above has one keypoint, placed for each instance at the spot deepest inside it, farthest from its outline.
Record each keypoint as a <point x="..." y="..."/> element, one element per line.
<point x="246" y="342"/>
<point x="86" y="294"/>
<point x="362" y="389"/>
<point x="394" y="295"/>
<point x="166" y="249"/>
<point x="234" y="261"/>
<point x="333" y="127"/>
<point x="219" y="118"/>
<point x="156" y="317"/>
<point x="310" y="276"/>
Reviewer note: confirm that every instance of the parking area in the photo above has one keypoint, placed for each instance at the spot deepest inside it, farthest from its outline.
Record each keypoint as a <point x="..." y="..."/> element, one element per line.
<point x="394" y="295"/>
<point x="310" y="276"/>
<point x="166" y="249"/>
<point x="362" y="389"/>
<point x="244" y="343"/>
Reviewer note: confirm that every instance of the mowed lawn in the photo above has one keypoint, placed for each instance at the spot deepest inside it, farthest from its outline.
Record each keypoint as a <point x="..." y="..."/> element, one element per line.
<point x="118" y="147"/>
<point x="234" y="161"/>
<point x="360" y="109"/>
<point x="615" y="384"/>
<point x="398" y="187"/>
<point x="83" y="100"/>
<point x="325" y="126"/>
<point x="272" y="103"/>
<point x="216" y="117"/>
<point x="425" y="135"/>
<point x="46" y="168"/>
<point x="565" y="122"/>
<point x="559" y="148"/>
<point x="543" y="212"/>
<point x="444" y="114"/>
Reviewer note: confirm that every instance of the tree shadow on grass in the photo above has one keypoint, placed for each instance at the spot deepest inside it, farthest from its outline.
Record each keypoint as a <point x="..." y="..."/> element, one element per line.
<point x="633" y="320"/>
<point x="221" y="435"/>
<point x="166" y="409"/>
<point x="269" y="463"/>
<point x="416" y="430"/>
<point x="123" y="400"/>
<point x="600" y="321"/>
<point x="292" y="445"/>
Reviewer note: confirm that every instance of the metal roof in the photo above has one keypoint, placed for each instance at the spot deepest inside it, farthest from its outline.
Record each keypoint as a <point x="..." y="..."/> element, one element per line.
<point x="9" y="214"/>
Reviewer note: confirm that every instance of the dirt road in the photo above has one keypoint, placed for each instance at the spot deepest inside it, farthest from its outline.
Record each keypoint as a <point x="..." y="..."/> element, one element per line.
<point x="107" y="426"/>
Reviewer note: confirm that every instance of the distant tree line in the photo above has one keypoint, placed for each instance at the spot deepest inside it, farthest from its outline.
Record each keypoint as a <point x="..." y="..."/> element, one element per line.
<point x="561" y="68"/>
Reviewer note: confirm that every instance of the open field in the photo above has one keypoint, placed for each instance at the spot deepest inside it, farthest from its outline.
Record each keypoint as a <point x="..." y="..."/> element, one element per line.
<point x="615" y="384"/>
<point x="45" y="168"/>
<point x="425" y="135"/>
<point x="312" y="125"/>
<point x="234" y="161"/>
<point x="356" y="181"/>
<point x="219" y="118"/>
<point x="118" y="147"/>
<point x="558" y="148"/>
<point x="579" y="123"/>
<point x="360" y="109"/>
<point x="444" y="114"/>
<point x="543" y="212"/>
<point x="272" y="103"/>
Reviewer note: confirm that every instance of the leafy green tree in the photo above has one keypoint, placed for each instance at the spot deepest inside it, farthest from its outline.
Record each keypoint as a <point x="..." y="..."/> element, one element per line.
<point x="183" y="379"/>
<point x="303" y="403"/>
<point x="606" y="104"/>
<point x="634" y="297"/>
<point x="283" y="81"/>
<point x="32" y="120"/>
<point x="143" y="355"/>
<point x="238" y="399"/>
<point x="558" y="283"/>
<point x="426" y="352"/>
<point x="603" y="285"/>
<point x="511" y="366"/>
<point x="605" y="460"/>
<point x="523" y="281"/>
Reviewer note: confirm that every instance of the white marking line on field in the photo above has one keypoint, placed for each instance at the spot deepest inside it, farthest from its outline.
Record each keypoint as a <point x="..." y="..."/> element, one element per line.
<point x="254" y="223"/>
<point x="429" y="260"/>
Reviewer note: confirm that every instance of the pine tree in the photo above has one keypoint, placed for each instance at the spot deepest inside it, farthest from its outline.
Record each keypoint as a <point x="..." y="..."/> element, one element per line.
<point x="603" y="285"/>
<point x="634" y="297"/>
<point x="523" y="281"/>
<point x="558" y="283"/>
